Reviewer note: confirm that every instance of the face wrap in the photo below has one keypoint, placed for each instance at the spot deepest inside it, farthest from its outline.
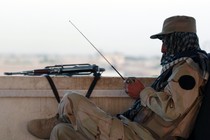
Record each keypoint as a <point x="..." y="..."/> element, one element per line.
<point x="178" y="43"/>
<point x="180" y="46"/>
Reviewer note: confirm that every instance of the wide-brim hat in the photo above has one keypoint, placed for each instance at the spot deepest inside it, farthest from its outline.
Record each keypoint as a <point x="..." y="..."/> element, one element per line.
<point x="177" y="24"/>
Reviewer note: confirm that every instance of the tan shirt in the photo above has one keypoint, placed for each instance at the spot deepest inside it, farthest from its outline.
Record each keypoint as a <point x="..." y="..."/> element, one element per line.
<point x="174" y="101"/>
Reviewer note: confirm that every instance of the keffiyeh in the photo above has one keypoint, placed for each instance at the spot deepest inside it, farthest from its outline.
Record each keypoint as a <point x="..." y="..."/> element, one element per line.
<point x="180" y="46"/>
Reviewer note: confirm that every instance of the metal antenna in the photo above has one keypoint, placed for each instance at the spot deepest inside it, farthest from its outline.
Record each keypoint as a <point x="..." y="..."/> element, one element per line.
<point x="97" y="50"/>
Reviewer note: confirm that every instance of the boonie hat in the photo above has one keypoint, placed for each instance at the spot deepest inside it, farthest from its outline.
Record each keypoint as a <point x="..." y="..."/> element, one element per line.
<point x="177" y="24"/>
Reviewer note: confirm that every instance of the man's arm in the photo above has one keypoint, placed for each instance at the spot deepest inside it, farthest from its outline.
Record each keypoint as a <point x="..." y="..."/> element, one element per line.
<point x="178" y="95"/>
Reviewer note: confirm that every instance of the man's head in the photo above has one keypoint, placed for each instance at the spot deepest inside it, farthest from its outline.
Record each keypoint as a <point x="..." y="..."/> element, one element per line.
<point x="177" y="24"/>
<point x="178" y="36"/>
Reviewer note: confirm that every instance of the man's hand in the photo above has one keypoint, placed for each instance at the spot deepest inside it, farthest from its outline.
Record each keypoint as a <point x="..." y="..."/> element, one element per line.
<point x="133" y="87"/>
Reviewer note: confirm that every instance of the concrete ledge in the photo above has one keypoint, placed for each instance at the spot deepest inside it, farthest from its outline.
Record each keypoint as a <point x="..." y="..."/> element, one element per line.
<point x="49" y="93"/>
<point x="25" y="98"/>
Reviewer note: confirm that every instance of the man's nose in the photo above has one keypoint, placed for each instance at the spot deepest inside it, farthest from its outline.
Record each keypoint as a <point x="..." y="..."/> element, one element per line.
<point x="163" y="48"/>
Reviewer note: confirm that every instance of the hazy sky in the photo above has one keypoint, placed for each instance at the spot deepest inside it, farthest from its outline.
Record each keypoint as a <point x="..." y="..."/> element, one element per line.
<point x="42" y="26"/>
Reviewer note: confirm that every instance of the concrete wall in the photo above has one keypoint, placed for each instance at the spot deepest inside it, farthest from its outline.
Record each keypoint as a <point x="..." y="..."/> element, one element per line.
<point x="25" y="98"/>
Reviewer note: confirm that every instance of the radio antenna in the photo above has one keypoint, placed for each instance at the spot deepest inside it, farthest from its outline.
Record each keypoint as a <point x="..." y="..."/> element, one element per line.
<point x="97" y="50"/>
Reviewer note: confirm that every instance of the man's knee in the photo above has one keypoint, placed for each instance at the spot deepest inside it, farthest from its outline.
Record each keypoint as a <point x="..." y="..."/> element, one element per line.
<point x="72" y="95"/>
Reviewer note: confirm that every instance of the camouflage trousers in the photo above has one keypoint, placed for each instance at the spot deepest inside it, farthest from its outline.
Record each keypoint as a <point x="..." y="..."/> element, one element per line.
<point x="88" y="122"/>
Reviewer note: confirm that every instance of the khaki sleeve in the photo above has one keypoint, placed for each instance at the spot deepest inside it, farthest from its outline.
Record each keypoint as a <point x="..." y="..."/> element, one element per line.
<point x="174" y="100"/>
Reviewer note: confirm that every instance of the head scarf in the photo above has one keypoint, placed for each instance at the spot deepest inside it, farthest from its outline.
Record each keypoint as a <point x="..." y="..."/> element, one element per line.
<point x="177" y="43"/>
<point x="180" y="46"/>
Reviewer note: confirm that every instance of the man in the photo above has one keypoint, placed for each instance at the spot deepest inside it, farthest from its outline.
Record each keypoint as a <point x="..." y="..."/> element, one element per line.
<point x="166" y="110"/>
